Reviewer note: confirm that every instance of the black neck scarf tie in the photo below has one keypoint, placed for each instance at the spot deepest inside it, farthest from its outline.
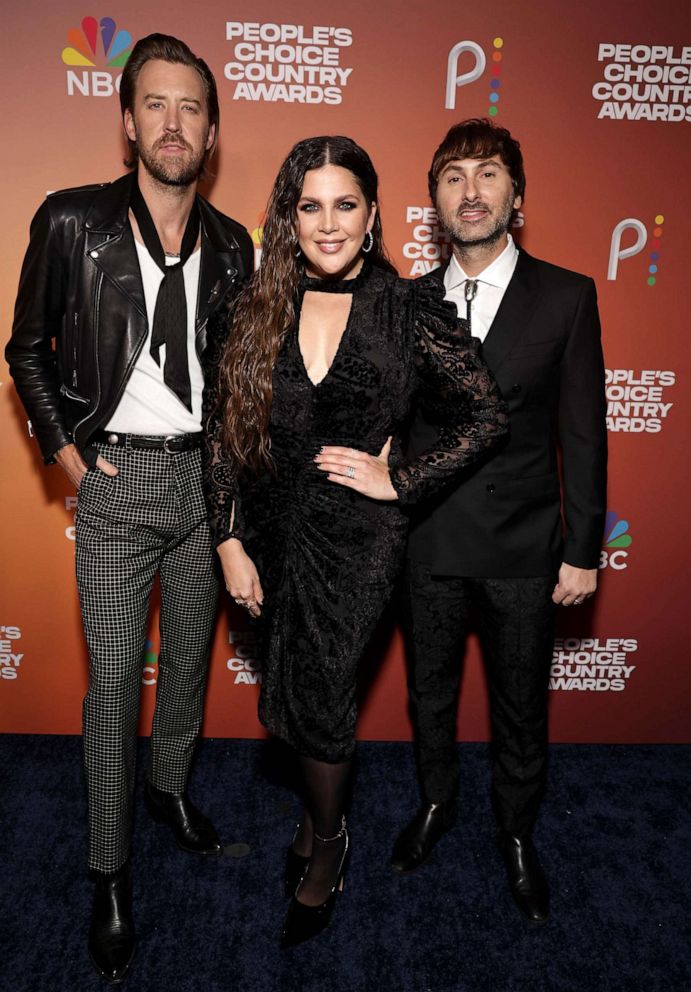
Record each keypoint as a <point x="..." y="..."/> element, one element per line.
<point x="170" y="315"/>
<point x="470" y="289"/>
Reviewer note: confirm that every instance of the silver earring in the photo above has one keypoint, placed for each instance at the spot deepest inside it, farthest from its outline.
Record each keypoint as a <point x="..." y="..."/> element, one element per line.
<point x="365" y="246"/>
<point x="296" y="247"/>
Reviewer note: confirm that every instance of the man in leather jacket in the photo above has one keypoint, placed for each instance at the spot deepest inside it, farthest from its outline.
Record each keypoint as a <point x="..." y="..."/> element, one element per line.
<point x="117" y="287"/>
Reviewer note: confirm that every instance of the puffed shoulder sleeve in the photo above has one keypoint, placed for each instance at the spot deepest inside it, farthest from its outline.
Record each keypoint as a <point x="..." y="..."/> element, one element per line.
<point x="220" y="481"/>
<point x="456" y="393"/>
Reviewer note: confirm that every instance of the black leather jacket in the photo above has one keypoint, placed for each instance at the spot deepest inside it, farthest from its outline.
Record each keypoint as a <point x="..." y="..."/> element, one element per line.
<point x="80" y="318"/>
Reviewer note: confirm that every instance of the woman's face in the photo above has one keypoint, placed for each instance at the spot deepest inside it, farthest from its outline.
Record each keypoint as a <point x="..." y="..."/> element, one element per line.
<point x="333" y="218"/>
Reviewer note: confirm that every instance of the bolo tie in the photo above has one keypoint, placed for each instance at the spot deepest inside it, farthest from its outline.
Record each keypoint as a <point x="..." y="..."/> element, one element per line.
<point x="470" y="292"/>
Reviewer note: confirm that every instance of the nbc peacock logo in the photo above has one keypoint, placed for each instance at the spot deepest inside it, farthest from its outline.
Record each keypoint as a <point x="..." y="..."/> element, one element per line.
<point x="616" y="540"/>
<point x="95" y="49"/>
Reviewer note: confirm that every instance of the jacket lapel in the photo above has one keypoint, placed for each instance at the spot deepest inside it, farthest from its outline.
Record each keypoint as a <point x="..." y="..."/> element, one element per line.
<point x="514" y="313"/>
<point x="110" y="242"/>
<point x="217" y="271"/>
<point x="118" y="261"/>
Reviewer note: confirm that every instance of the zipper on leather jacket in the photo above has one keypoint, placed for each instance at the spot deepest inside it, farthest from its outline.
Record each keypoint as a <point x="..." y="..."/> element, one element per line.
<point x="74" y="350"/>
<point x="97" y="307"/>
<point x="75" y="397"/>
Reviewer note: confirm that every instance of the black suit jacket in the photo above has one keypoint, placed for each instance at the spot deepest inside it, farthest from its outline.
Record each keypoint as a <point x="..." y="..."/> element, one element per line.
<point x="521" y="512"/>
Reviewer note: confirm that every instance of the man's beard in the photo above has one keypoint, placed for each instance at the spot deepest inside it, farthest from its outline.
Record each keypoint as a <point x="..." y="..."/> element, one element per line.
<point x="173" y="172"/>
<point x="454" y="226"/>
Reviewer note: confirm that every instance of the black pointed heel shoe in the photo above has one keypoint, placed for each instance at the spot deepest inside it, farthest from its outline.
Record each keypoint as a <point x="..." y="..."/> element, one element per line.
<point x="304" y="922"/>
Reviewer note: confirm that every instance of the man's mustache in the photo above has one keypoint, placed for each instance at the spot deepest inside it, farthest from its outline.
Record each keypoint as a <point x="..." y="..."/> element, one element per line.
<point x="170" y="140"/>
<point x="473" y="206"/>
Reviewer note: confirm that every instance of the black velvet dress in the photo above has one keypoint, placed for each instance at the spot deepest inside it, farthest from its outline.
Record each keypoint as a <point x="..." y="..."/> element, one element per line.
<point x="327" y="556"/>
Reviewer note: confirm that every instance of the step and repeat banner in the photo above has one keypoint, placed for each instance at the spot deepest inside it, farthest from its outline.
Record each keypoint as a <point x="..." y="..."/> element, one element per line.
<point x="599" y="95"/>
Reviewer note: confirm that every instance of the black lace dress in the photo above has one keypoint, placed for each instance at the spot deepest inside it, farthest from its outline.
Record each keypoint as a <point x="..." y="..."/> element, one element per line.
<point x="327" y="556"/>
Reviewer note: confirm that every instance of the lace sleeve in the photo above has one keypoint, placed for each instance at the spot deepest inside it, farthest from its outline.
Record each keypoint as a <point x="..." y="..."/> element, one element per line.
<point x="220" y="482"/>
<point x="457" y="394"/>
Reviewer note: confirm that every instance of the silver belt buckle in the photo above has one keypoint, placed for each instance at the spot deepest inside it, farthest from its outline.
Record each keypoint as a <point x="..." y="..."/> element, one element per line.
<point x="170" y="437"/>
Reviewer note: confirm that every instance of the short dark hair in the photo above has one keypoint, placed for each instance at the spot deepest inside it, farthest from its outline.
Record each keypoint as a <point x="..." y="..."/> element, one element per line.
<point x="478" y="137"/>
<point x="167" y="49"/>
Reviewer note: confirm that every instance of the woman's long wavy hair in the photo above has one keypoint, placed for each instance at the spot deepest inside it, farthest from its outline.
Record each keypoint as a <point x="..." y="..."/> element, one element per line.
<point x="265" y="310"/>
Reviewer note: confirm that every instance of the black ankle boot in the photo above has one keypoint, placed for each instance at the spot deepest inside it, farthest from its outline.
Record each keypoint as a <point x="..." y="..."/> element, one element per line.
<point x="192" y="830"/>
<point x="526" y="878"/>
<point x="303" y="922"/>
<point x="111" y="934"/>
<point x="416" y="842"/>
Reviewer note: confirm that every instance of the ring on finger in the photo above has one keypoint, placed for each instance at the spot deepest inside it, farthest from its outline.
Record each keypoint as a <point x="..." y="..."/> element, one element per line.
<point x="350" y="472"/>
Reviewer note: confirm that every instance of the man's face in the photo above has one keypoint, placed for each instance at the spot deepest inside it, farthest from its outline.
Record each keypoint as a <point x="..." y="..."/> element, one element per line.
<point x="475" y="199"/>
<point x="170" y="122"/>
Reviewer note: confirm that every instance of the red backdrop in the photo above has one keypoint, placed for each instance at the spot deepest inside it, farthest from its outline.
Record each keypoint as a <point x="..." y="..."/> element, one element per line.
<point x="601" y="105"/>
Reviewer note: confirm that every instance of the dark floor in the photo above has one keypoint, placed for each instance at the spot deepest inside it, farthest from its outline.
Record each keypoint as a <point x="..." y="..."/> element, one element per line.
<point x="614" y="838"/>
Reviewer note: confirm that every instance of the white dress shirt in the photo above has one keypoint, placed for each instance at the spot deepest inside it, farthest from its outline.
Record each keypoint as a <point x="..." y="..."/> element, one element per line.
<point x="491" y="286"/>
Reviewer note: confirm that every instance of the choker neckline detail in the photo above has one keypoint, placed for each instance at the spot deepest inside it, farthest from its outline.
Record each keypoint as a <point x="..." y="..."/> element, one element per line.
<point x="313" y="285"/>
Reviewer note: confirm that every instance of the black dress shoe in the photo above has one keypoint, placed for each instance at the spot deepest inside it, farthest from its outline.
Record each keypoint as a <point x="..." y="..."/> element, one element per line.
<point x="192" y="830"/>
<point x="416" y="842"/>
<point x="526" y="878"/>
<point x="111" y="934"/>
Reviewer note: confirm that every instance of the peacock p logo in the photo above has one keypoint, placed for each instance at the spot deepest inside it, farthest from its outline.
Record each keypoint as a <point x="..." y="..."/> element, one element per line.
<point x="616" y="538"/>
<point x="97" y="47"/>
<point x="149" y="664"/>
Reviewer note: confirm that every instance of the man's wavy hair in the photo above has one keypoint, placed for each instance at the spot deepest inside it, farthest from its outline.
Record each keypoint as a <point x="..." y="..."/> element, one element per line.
<point x="478" y="138"/>
<point x="167" y="49"/>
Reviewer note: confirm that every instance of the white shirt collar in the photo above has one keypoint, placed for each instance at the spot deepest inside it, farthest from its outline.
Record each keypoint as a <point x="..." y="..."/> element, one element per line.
<point x="498" y="273"/>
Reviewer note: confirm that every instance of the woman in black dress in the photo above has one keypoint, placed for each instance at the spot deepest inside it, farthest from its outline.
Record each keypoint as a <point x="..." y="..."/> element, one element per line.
<point x="305" y="475"/>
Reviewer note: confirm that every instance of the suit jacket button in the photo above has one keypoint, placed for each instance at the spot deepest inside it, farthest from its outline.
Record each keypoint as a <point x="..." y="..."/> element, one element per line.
<point x="516" y="388"/>
<point x="490" y="487"/>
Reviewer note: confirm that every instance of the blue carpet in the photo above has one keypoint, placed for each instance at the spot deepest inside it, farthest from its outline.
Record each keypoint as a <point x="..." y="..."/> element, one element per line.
<point x="614" y="839"/>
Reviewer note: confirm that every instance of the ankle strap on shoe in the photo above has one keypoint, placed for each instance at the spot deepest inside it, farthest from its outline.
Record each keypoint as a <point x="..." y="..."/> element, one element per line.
<point x="328" y="840"/>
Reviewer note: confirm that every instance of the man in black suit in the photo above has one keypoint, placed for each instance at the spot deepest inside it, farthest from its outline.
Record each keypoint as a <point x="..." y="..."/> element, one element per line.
<point x="498" y="548"/>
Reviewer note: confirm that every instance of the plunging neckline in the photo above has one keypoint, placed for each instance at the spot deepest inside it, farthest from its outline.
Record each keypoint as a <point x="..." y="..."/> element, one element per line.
<point x="308" y="284"/>
<point x="337" y="353"/>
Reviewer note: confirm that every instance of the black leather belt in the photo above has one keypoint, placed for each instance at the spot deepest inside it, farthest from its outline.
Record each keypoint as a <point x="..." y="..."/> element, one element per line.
<point x="172" y="443"/>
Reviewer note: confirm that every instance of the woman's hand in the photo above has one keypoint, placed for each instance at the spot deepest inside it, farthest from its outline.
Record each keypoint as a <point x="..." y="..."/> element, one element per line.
<point x="365" y="473"/>
<point x="240" y="575"/>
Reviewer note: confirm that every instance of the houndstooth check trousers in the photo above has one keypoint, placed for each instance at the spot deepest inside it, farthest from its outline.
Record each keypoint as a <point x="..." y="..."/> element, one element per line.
<point x="148" y="519"/>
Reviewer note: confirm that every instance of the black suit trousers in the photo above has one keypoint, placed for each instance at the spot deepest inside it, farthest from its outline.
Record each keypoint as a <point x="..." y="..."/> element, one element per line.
<point x="515" y="620"/>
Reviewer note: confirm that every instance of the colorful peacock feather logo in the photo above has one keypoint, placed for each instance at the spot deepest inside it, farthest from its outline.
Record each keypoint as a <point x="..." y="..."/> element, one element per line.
<point x="83" y="43"/>
<point x="150" y="657"/>
<point x="616" y="532"/>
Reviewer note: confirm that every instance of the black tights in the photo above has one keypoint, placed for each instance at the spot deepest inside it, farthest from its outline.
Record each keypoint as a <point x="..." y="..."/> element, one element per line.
<point x="325" y="792"/>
